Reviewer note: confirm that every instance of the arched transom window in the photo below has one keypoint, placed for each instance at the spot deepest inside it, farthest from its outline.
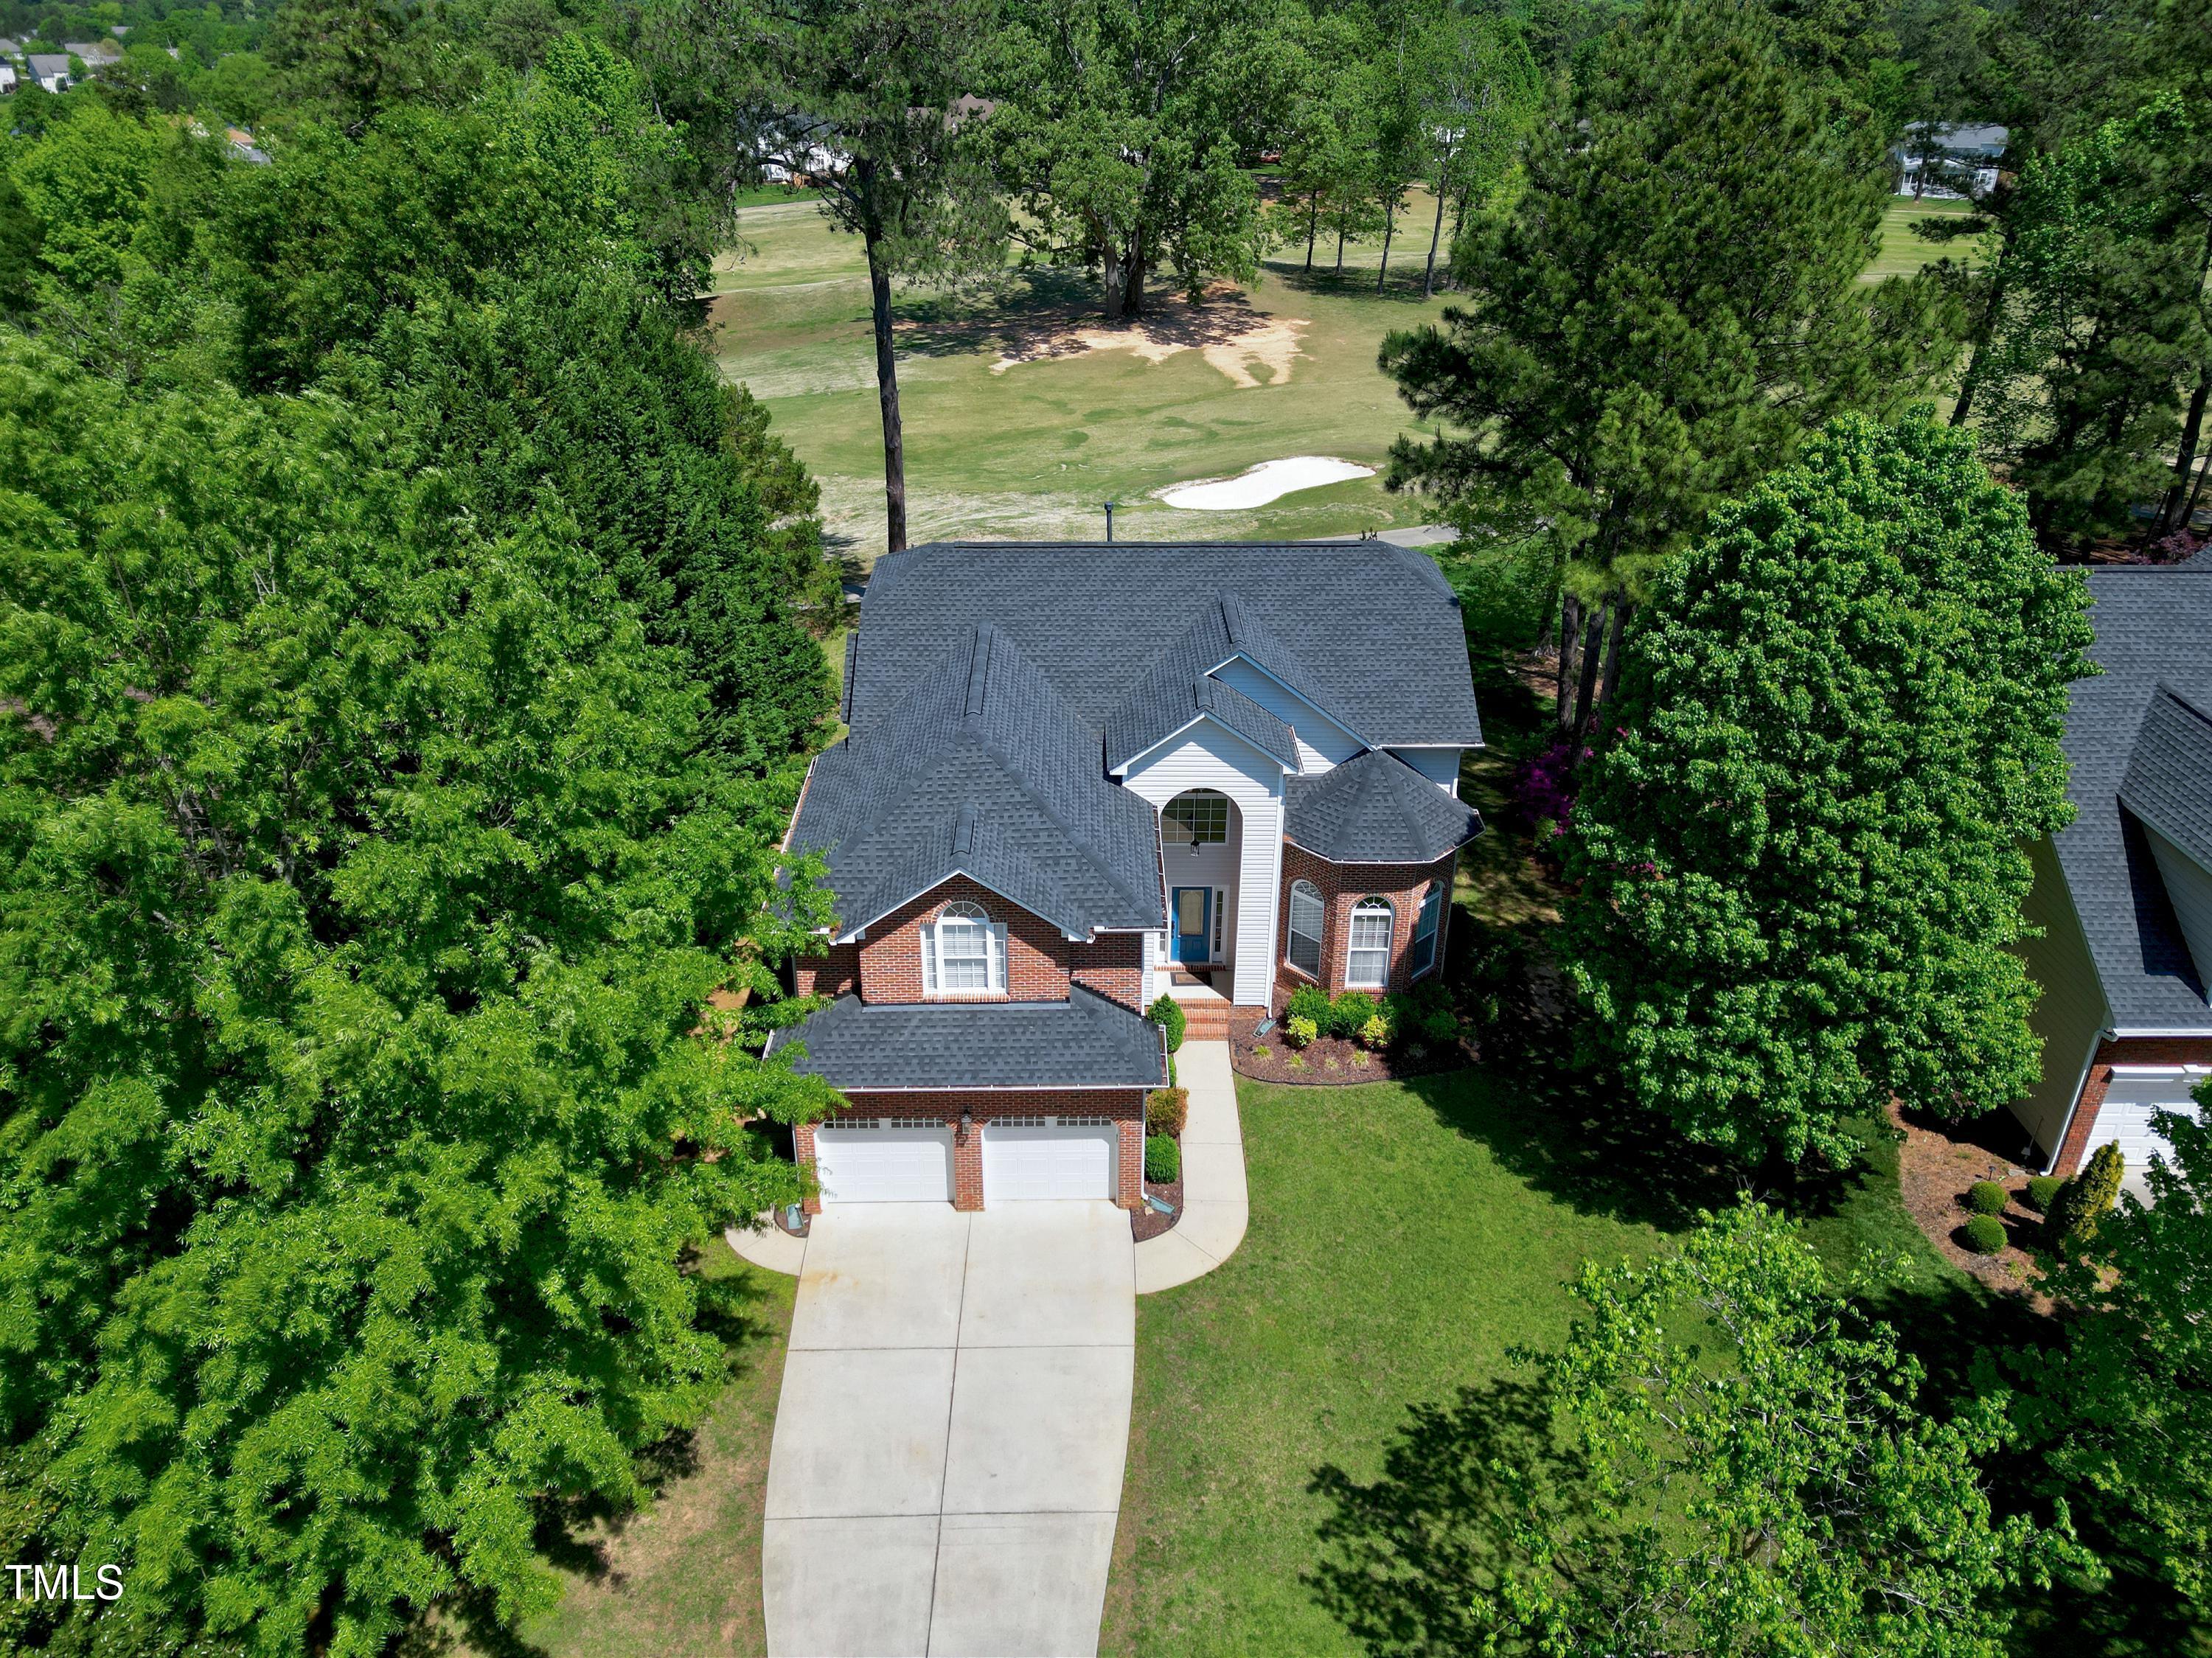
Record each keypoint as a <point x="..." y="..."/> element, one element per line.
<point x="1367" y="961"/>
<point x="1304" y="950"/>
<point x="964" y="953"/>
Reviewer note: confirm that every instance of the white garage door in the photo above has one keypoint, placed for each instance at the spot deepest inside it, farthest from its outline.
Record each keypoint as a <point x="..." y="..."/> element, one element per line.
<point x="898" y="1163"/>
<point x="1040" y="1157"/>
<point x="2135" y="1093"/>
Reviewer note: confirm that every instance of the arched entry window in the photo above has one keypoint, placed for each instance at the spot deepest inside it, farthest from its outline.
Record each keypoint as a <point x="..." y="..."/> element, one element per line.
<point x="1305" y="952"/>
<point x="1367" y="962"/>
<point x="964" y="953"/>
<point x="1200" y="818"/>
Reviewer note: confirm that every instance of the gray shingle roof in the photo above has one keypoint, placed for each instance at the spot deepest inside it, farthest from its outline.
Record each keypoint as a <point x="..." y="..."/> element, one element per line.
<point x="1085" y="1041"/>
<point x="1176" y="690"/>
<point x="2154" y="630"/>
<point x="982" y="769"/>
<point x="1372" y="630"/>
<point x="1375" y="809"/>
<point x="2169" y="778"/>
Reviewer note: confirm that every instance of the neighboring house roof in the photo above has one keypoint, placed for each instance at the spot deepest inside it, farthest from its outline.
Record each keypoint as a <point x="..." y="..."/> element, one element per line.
<point x="982" y="769"/>
<point x="1375" y="809"/>
<point x="1975" y="140"/>
<point x="1372" y="631"/>
<point x="2133" y="735"/>
<point x="45" y="64"/>
<point x="1085" y="1041"/>
<point x="94" y="52"/>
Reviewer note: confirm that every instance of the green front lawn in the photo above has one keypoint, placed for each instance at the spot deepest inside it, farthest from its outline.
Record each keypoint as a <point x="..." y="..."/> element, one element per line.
<point x="1404" y="1237"/>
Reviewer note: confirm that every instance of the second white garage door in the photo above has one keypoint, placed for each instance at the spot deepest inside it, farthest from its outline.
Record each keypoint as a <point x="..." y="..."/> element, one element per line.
<point x="898" y="1163"/>
<point x="1036" y="1160"/>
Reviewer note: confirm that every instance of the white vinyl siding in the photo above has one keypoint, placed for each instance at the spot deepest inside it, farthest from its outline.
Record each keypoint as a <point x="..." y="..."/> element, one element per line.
<point x="1209" y="757"/>
<point x="2189" y="888"/>
<point x="1439" y="766"/>
<point x="1367" y="961"/>
<point x="1306" y="911"/>
<point x="1322" y="742"/>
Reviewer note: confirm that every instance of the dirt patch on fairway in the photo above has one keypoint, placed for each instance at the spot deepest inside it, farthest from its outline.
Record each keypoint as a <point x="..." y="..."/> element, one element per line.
<point x="1232" y="338"/>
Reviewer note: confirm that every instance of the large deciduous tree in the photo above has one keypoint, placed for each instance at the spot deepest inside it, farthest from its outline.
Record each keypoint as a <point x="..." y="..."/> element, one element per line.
<point x="363" y="873"/>
<point x="1123" y="131"/>
<point x="1800" y="853"/>
<point x="1727" y="1458"/>
<point x="1670" y="303"/>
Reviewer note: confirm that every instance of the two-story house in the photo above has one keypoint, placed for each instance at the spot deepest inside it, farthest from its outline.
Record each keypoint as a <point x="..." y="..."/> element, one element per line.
<point x="1080" y="774"/>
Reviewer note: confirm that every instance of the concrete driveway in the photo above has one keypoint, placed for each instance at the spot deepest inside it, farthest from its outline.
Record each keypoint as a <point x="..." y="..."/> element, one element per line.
<point x="947" y="1469"/>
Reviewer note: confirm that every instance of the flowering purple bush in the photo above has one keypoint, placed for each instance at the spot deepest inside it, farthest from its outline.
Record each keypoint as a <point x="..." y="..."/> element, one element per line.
<point x="1543" y="793"/>
<point x="2181" y="543"/>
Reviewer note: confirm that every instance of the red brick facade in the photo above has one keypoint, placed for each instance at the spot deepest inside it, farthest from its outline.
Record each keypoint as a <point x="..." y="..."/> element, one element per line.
<point x="1342" y="886"/>
<point x="1126" y="1106"/>
<point x="886" y="965"/>
<point x="2171" y="1050"/>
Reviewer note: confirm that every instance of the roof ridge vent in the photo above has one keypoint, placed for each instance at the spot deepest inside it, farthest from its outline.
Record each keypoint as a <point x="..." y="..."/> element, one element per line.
<point x="963" y="831"/>
<point x="979" y="669"/>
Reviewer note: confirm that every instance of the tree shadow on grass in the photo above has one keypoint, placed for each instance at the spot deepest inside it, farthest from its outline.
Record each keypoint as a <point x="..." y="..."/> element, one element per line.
<point x="1404" y="1557"/>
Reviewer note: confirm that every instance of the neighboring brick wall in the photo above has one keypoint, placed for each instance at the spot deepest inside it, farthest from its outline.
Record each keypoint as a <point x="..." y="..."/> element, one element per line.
<point x="1342" y="886"/>
<point x="831" y="974"/>
<point x="1125" y="1105"/>
<point x="2171" y="1050"/>
<point x="1114" y="966"/>
<point x="890" y="955"/>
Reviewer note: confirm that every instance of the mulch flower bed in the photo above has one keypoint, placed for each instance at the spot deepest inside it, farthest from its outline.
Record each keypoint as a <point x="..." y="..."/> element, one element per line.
<point x="1334" y="1062"/>
<point x="1145" y="1222"/>
<point x="1934" y="1166"/>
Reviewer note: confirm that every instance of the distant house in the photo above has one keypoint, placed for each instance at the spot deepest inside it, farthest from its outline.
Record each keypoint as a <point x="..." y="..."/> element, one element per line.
<point x="7" y="79"/>
<point x="242" y="146"/>
<point x="2124" y="894"/>
<point x="1948" y="161"/>
<point x="50" y="69"/>
<point x="93" y="53"/>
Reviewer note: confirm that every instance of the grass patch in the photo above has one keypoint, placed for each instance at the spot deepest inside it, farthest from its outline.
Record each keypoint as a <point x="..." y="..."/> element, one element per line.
<point x="1903" y="253"/>
<point x="1404" y="1236"/>
<point x="682" y="1574"/>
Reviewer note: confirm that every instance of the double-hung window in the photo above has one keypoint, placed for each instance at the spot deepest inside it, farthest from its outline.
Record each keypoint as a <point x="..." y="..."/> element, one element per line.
<point x="964" y="954"/>
<point x="1367" y="962"/>
<point x="1305" y="952"/>
<point x="1422" y="956"/>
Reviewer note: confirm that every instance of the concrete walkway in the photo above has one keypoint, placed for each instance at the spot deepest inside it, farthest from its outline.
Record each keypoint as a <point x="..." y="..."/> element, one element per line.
<point x="1215" y="1205"/>
<point x="946" y="1470"/>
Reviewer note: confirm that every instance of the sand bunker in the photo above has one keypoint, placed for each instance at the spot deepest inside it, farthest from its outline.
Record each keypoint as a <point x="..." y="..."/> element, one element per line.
<point x="1272" y="342"/>
<point x="1271" y="480"/>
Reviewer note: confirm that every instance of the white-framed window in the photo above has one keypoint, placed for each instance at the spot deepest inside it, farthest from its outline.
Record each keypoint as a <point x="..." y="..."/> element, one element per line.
<point x="1422" y="956"/>
<point x="1367" y="961"/>
<point x="964" y="953"/>
<point x="1220" y="910"/>
<point x="1304" y="950"/>
<point x="1202" y="815"/>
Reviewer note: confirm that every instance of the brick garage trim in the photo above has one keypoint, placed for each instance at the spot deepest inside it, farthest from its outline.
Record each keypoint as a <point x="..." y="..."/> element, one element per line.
<point x="2089" y="1104"/>
<point x="1124" y="1106"/>
<point x="1342" y="886"/>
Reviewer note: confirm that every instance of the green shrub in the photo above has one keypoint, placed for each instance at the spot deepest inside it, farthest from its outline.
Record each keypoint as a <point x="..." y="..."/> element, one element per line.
<point x="1167" y="1013"/>
<point x="1350" y="1012"/>
<point x="1298" y="1031"/>
<point x="1376" y="1033"/>
<point x="1309" y="1002"/>
<point x="1986" y="1197"/>
<point x="1163" y="1159"/>
<point x="1166" y="1111"/>
<point x="2090" y="1196"/>
<point x="1424" y="1013"/>
<point x="2042" y="1192"/>
<point x="1985" y="1233"/>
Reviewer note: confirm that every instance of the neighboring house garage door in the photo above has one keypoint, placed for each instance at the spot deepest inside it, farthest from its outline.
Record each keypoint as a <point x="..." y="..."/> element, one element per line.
<point x="899" y="1164"/>
<point x="1042" y="1157"/>
<point x="2135" y="1093"/>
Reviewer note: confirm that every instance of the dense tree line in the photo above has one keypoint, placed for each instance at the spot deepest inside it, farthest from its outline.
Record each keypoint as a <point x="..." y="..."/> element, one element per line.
<point x="406" y="646"/>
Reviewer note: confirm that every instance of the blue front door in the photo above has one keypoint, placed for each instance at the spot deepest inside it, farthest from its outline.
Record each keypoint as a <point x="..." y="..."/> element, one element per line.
<point x="1193" y="923"/>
